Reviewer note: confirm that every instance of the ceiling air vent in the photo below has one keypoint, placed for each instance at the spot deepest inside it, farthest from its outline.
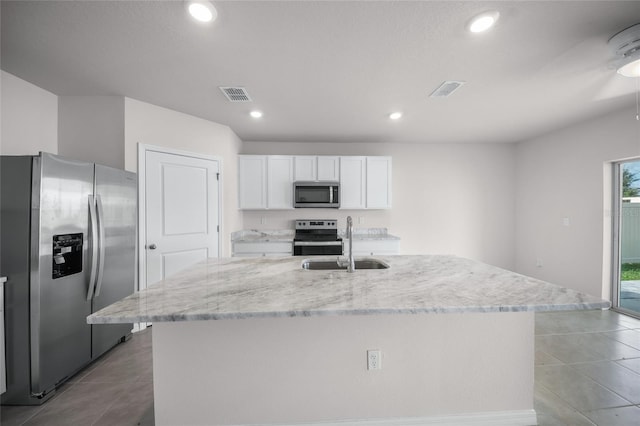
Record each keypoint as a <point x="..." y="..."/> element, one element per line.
<point x="236" y="94"/>
<point x="446" y="89"/>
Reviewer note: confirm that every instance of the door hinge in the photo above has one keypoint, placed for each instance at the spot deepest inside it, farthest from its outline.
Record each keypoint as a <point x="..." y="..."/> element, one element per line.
<point x="218" y="228"/>
<point x="217" y="176"/>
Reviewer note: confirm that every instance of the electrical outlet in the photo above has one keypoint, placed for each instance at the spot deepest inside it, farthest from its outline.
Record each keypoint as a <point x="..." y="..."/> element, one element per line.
<point x="263" y="220"/>
<point x="360" y="220"/>
<point x="374" y="360"/>
<point x="539" y="263"/>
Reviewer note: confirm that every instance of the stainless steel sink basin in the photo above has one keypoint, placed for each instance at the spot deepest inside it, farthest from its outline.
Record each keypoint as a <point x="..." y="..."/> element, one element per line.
<point x="334" y="265"/>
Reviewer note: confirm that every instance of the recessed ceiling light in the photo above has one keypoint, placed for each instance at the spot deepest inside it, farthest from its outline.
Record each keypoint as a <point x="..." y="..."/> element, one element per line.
<point x="395" y="115"/>
<point x="484" y="21"/>
<point x="256" y="114"/>
<point x="202" y="10"/>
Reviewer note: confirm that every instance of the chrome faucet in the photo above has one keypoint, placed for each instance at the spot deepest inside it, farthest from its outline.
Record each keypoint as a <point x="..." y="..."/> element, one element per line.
<point x="351" y="266"/>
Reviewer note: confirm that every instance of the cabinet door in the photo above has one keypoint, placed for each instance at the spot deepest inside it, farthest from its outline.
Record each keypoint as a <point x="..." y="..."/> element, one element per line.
<point x="252" y="182"/>
<point x="329" y="168"/>
<point x="257" y="249"/>
<point x="305" y="168"/>
<point x="279" y="182"/>
<point x="352" y="182"/>
<point x="376" y="247"/>
<point x="378" y="182"/>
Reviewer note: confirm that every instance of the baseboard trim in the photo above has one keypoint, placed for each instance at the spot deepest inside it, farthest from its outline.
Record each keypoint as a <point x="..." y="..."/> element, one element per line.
<point x="494" y="418"/>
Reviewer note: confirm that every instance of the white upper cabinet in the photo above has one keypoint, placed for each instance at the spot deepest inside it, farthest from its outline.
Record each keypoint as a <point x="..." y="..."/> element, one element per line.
<point x="329" y="168"/>
<point x="279" y="182"/>
<point x="378" y="182"/>
<point x="353" y="182"/>
<point x="266" y="181"/>
<point x="317" y="168"/>
<point x="252" y="182"/>
<point x="305" y="168"/>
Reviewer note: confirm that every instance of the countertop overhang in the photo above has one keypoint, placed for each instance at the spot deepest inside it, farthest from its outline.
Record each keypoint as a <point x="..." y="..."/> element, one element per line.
<point x="237" y="288"/>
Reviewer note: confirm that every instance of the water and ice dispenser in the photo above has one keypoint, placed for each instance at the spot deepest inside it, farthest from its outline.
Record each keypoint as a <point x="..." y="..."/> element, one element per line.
<point x="67" y="255"/>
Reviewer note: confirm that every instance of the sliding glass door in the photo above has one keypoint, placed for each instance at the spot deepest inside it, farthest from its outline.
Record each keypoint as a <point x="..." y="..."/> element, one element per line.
<point x="626" y="218"/>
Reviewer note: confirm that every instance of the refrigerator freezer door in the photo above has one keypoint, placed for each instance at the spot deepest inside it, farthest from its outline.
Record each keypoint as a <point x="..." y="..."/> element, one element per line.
<point x="116" y="195"/>
<point x="60" y="270"/>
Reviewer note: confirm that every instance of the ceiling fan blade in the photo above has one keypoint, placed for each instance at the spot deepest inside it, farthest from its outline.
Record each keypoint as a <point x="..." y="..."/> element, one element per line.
<point x="617" y="86"/>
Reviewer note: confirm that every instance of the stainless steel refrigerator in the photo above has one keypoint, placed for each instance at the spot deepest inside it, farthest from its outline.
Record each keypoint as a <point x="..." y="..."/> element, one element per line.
<point x="67" y="248"/>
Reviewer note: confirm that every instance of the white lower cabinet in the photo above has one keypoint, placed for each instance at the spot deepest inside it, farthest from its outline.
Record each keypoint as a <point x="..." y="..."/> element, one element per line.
<point x="262" y="249"/>
<point x="375" y="247"/>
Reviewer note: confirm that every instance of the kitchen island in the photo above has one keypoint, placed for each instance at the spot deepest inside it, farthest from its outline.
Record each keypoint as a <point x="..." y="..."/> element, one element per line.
<point x="262" y="341"/>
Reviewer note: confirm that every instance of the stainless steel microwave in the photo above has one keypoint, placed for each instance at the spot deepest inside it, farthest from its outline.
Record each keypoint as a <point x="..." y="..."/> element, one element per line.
<point x="316" y="194"/>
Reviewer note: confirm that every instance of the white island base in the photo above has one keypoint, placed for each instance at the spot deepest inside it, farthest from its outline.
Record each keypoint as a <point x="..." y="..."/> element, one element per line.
<point x="444" y="369"/>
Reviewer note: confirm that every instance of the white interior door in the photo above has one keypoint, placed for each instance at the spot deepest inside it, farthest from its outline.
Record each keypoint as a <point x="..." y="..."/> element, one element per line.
<point x="181" y="206"/>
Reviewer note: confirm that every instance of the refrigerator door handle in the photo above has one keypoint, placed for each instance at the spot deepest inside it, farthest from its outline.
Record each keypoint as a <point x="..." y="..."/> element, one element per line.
<point x="101" y="246"/>
<point x="94" y="247"/>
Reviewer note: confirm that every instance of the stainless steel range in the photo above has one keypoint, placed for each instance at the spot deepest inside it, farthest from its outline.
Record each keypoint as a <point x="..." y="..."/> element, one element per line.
<point x="317" y="237"/>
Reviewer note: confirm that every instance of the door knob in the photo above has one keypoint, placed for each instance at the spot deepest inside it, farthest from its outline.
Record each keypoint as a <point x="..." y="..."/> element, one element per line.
<point x="152" y="246"/>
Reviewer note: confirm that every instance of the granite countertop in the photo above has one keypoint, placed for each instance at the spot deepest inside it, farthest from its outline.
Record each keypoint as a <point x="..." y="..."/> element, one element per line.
<point x="234" y="288"/>
<point x="369" y="234"/>
<point x="254" y="236"/>
<point x="287" y="235"/>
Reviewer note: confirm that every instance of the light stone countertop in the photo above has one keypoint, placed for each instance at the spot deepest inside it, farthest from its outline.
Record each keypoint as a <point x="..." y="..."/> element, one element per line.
<point x="235" y="288"/>
<point x="369" y="234"/>
<point x="287" y="235"/>
<point x="255" y="236"/>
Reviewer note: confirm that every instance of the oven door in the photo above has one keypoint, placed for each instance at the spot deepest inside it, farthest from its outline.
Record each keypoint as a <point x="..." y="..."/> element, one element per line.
<point x="312" y="248"/>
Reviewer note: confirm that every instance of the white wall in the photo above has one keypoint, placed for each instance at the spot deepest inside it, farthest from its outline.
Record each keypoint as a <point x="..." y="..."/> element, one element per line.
<point x="566" y="174"/>
<point x="501" y="204"/>
<point x="447" y="198"/>
<point x="29" y="118"/>
<point x="153" y="125"/>
<point x="91" y="128"/>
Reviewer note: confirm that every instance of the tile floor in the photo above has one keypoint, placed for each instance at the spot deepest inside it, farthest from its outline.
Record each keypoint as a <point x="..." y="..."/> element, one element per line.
<point x="587" y="369"/>
<point x="587" y="373"/>
<point x="115" y="390"/>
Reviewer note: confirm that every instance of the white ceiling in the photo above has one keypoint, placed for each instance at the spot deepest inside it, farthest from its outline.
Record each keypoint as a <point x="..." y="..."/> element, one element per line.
<point x="333" y="70"/>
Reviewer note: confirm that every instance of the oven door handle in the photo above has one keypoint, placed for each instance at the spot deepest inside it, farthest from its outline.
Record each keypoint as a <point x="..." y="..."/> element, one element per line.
<point x="317" y="243"/>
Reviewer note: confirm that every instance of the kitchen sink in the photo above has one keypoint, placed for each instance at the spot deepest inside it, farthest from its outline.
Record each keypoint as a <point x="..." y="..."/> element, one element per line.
<point x="335" y="265"/>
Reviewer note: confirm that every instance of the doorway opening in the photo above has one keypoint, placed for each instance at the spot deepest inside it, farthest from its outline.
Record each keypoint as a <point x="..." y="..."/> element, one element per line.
<point x="626" y="231"/>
